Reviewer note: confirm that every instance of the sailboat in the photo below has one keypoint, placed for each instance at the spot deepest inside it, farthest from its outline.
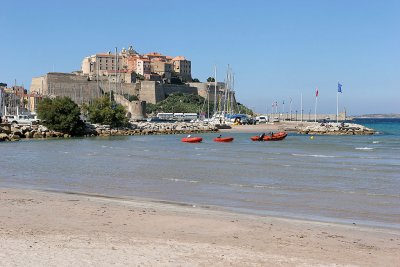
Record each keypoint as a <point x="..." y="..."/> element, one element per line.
<point x="225" y="105"/>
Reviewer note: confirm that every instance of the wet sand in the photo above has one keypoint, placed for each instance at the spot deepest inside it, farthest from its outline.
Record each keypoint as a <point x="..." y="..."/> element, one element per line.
<point x="265" y="127"/>
<point x="56" y="229"/>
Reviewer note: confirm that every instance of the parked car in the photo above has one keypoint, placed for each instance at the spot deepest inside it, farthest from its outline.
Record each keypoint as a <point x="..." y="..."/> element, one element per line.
<point x="261" y="119"/>
<point x="275" y="119"/>
<point x="21" y="119"/>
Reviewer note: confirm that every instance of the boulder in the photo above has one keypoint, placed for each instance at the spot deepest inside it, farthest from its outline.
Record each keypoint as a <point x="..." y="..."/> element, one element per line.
<point x="4" y="137"/>
<point x="18" y="133"/>
<point x="28" y="134"/>
<point x="15" y="137"/>
<point x="42" y="128"/>
<point x="37" y="135"/>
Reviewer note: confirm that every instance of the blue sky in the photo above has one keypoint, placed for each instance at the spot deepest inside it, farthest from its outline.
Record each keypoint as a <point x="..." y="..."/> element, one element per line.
<point x="277" y="49"/>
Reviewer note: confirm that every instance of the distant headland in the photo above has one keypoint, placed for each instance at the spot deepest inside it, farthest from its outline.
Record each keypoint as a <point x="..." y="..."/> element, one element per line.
<point x="377" y="116"/>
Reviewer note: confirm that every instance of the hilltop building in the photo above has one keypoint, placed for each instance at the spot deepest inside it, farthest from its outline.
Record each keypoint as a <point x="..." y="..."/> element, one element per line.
<point x="151" y="66"/>
<point x="150" y="77"/>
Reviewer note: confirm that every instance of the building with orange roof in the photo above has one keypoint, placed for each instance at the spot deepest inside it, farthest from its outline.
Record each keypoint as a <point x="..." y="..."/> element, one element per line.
<point x="129" y="61"/>
<point x="183" y="68"/>
<point x="99" y="64"/>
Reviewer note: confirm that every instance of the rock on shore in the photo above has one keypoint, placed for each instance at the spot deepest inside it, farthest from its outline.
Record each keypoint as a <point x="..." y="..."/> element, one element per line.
<point x="335" y="129"/>
<point x="148" y="128"/>
<point x="14" y="133"/>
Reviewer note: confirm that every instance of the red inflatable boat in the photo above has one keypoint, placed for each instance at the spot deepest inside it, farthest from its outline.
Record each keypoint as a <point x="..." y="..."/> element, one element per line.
<point x="192" y="139"/>
<point x="223" y="139"/>
<point x="274" y="137"/>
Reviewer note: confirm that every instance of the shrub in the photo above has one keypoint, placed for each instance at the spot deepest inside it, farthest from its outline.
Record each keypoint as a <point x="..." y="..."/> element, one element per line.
<point x="61" y="114"/>
<point x="104" y="111"/>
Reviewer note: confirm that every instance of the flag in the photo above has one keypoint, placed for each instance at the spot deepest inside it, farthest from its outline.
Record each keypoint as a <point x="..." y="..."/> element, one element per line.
<point x="316" y="92"/>
<point x="339" y="87"/>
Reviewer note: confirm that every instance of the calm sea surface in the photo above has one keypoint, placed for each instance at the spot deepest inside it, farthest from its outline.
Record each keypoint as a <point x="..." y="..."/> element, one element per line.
<point x="330" y="178"/>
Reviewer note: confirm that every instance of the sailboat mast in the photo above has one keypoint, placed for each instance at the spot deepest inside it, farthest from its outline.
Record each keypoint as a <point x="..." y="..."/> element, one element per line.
<point x="215" y="90"/>
<point x="208" y="103"/>
<point x="116" y="67"/>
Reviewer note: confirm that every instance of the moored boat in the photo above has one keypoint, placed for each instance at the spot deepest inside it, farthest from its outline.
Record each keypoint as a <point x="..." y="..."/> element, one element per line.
<point x="223" y="139"/>
<point x="192" y="139"/>
<point x="272" y="137"/>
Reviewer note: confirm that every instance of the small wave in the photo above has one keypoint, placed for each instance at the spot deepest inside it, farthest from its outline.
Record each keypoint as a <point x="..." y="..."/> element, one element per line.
<point x="364" y="148"/>
<point x="376" y="142"/>
<point x="238" y="185"/>
<point x="255" y="186"/>
<point x="180" y="180"/>
<point x="315" y="156"/>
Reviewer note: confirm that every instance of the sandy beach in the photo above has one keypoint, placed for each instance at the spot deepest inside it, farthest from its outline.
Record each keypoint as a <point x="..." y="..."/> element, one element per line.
<point x="265" y="127"/>
<point x="56" y="229"/>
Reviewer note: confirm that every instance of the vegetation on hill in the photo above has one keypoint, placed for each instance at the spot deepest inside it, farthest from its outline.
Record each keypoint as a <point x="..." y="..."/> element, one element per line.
<point x="244" y="110"/>
<point x="104" y="111"/>
<point x="129" y="97"/>
<point x="61" y="114"/>
<point x="178" y="102"/>
<point x="186" y="103"/>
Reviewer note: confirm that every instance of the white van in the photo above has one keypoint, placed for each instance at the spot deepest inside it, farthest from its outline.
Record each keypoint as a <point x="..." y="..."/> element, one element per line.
<point x="21" y="119"/>
<point x="261" y="119"/>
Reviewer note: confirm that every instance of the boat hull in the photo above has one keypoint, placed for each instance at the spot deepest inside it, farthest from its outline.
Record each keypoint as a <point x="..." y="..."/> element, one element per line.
<point x="192" y="139"/>
<point x="223" y="139"/>
<point x="275" y="137"/>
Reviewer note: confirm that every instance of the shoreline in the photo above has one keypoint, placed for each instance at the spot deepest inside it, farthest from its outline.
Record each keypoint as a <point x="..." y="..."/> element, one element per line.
<point x="229" y="210"/>
<point x="40" y="227"/>
<point x="11" y="133"/>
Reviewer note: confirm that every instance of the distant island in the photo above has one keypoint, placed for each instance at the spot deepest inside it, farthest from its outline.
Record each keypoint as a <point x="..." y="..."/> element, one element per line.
<point x="378" y="116"/>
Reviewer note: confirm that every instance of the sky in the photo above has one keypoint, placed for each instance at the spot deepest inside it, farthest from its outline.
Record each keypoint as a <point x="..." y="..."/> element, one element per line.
<point x="278" y="50"/>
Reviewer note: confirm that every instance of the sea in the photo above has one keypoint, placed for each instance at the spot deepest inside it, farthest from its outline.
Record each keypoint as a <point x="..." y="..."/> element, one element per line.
<point x="337" y="179"/>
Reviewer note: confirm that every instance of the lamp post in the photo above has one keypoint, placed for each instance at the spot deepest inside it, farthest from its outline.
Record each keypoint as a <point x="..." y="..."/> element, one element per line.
<point x="296" y="114"/>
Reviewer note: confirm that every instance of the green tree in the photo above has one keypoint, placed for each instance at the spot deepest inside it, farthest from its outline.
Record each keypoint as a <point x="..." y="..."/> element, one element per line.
<point x="130" y="98"/>
<point x="244" y="110"/>
<point x="61" y="114"/>
<point x="180" y="102"/>
<point x="210" y="79"/>
<point x="104" y="111"/>
<point x="195" y="80"/>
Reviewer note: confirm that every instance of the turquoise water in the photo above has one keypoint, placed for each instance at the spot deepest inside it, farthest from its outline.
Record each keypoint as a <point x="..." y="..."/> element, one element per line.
<point x="347" y="179"/>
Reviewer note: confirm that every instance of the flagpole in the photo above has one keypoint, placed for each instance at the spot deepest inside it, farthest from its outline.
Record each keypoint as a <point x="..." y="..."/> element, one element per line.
<point x="315" y="110"/>
<point x="337" y="107"/>
<point x="301" y="106"/>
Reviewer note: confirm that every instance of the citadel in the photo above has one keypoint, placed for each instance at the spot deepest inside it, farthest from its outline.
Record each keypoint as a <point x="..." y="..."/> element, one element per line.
<point x="148" y="78"/>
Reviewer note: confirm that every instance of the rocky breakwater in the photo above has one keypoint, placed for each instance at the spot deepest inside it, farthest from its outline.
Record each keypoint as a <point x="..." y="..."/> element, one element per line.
<point x="335" y="129"/>
<point x="10" y="132"/>
<point x="151" y="128"/>
<point x="17" y="132"/>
